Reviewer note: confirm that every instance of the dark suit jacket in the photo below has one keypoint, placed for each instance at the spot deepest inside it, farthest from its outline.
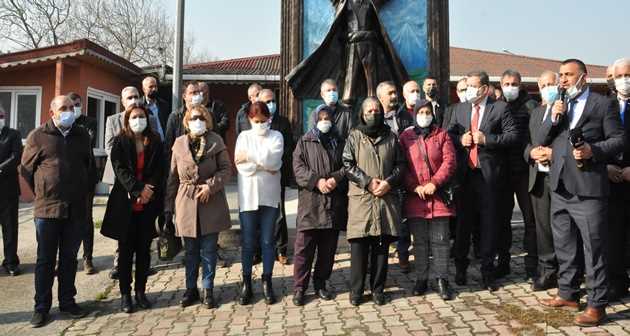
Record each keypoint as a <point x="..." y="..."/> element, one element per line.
<point x="164" y="111"/>
<point x="500" y="130"/>
<point x="10" y="154"/>
<point x="220" y="116"/>
<point x="535" y="122"/>
<point x="283" y="125"/>
<point x="602" y="130"/>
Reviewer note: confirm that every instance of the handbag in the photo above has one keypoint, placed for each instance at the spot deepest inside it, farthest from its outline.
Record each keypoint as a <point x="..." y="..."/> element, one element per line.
<point x="168" y="244"/>
<point x="446" y="192"/>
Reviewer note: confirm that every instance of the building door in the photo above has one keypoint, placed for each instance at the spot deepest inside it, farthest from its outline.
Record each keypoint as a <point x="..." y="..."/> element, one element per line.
<point x="100" y="105"/>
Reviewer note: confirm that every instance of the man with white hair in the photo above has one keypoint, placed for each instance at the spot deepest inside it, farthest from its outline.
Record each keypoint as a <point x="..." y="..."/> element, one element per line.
<point x="157" y="106"/>
<point x="129" y="96"/>
<point x="619" y="176"/>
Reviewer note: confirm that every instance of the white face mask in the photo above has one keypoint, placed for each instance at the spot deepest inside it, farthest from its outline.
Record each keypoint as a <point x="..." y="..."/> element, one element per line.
<point x="197" y="127"/>
<point x="197" y="99"/>
<point x="260" y="128"/>
<point x="324" y="126"/>
<point x="412" y="98"/>
<point x="573" y="91"/>
<point x="471" y="93"/>
<point x="138" y="125"/>
<point x="77" y="111"/>
<point x="424" y="120"/>
<point x="510" y="93"/>
<point x="462" y="97"/>
<point x="623" y="86"/>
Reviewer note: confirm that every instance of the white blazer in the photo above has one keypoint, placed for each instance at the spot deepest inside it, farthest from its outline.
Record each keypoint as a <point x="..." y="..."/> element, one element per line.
<point x="256" y="186"/>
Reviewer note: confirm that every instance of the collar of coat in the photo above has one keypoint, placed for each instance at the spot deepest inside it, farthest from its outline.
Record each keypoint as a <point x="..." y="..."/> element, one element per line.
<point x="50" y="128"/>
<point x="214" y="145"/>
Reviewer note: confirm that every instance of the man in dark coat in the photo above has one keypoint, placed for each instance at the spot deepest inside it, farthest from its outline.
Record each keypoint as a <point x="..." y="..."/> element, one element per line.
<point x="356" y="51"/>
<point x="216" y="109"/>
<point x="156" y="105"/>
<point x="10" y="153"/>
<point x="341" y="114"/>
<point x="242" y="121"/>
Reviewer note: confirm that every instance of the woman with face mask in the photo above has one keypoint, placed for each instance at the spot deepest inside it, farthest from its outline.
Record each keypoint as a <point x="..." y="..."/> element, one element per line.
<point x="430" y="165"/>
<point x="322" y="204"/>
<point x="138" y="160"/>
<point x="200" y="167"/>
<point x="373" y="163"/>
<point x="258" y="158"/>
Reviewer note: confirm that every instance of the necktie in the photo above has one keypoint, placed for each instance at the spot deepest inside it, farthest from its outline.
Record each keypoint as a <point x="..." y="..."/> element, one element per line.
<point x="473" y="159"/>
<point x="623" y="112"/>
<point x="571" y="112"/>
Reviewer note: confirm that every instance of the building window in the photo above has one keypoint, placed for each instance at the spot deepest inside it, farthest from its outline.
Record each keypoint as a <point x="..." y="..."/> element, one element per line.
<point x="100" y="105"/>
<point x="22" y="107"/>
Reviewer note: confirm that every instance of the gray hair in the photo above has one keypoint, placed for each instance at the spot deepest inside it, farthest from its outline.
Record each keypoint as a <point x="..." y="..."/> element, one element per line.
<point x="381" y="86"/>
<point x="264" y="91"/>
<point x="328" y="81"/>
<point x="129" y="88"/>
<point x="621" y="62"/>
<point x="369" y="100"/>
<point x="251" y="88"/>
<point x="547" y="73"/>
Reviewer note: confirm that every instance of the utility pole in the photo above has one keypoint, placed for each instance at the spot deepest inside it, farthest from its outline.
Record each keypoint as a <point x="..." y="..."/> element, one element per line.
<point x="179" y="51"/>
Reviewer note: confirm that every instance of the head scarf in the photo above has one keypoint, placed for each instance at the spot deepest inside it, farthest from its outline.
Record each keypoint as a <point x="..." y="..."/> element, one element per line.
<point x="372" y="131"/>
<point x="422" y="131"/>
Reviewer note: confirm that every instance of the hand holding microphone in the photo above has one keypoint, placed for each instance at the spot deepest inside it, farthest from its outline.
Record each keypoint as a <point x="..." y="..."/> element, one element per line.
<point x="559" y="106"/>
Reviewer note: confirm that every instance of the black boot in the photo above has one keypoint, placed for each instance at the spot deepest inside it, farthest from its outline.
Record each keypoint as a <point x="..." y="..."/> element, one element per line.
<point x="246" y="294"/>
<point x="299" y="298"/>
<point x="125" y="303"/>
<point x="142" y="301"/>
<point x="270" y="297"/>
<point x="208" y="298"/>
<point x="444" y="290"/>
<point x="191" y="296"/>
<point x="420" y="287"/>
<point x="321" y="291"/>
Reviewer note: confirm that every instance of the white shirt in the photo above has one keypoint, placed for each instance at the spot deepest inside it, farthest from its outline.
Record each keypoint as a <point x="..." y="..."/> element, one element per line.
<point x="482" y="109"/>
<point x="256" y="186"/>
<point x="542" y="168"/>
<point x="580" y="103"/>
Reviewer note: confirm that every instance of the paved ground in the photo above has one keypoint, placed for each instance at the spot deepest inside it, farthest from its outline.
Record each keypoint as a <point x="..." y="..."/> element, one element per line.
<point x="512" y="310"/>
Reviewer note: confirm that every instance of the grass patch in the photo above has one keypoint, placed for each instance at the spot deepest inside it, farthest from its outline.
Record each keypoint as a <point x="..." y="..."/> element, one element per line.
<point x="98" y="223"/>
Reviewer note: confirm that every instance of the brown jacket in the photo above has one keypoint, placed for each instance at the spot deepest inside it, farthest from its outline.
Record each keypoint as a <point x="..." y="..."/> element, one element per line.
<point x="56" y="168"/>
<point x="185" y="177"/>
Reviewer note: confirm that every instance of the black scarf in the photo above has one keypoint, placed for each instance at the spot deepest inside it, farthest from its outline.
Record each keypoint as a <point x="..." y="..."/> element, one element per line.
<point x="375" y="130"/>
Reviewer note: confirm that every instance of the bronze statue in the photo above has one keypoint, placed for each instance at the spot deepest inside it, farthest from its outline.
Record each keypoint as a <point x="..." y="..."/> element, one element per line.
<point x="356" y="52"/>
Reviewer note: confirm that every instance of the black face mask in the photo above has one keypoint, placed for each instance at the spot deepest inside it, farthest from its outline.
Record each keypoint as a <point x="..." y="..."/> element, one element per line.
<point x="432" y="93"/>
<point x="373" y="119"/>
<point x="611" y="84"/>
<point x="152" y="95"/>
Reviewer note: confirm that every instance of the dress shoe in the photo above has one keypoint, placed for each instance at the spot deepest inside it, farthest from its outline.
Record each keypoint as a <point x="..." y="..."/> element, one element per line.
<point x="502" y="270"/>
<point x="379" y="298"/>
<point x="541" y="284"/>
<point x="142" y="301"/>
<point x="88" y="267"/>
<point x="208" y="298"/>
<point x="113" y="274"/>
<point x="191" y="296"/>
<point x="246" y="295"/>
<point x="460" y="277"/>
<point x="39" y="319"/>
<point x="591" y="317"/>
<point x="488" y="283"/>
<point x="420" y="287"/>
<point x="356" y="299"/>
<point x="558" y="302"/>
<point x="12" y="270"/>
<point x="324" y="293"/>
<point x="444" y="290"/>
<point x="270" y="297"/>
<point x="405" y="268"/>
<point x="299" y="298"/>
<point x="74" y="311"/>
<point x="282" y="259"/>
<point x="125" y="304"/>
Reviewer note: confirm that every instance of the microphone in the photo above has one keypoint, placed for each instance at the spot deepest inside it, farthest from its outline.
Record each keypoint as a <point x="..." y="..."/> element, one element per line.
<point x="563" y="98"/>
<point x="576" y="138"/>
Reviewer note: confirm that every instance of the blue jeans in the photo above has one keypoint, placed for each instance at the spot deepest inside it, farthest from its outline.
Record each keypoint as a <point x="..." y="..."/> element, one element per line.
<point x="63" y="235"/>
<point x="201" y="250"/>
<point x="264" y="220"/>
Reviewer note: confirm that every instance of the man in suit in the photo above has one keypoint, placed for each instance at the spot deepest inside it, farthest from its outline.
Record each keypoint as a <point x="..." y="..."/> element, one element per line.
<point x="156" y="105"/>
<point x="10" y="154"/>
<point x="113" y="126"/>
<point x="281" y="124"/>
<point x="242" y="121"/>
<point x="539" y="158"/>
<point x="89" y="125"/>
<point x="520" y="105"/>
<point x="431" y="92"/>
<point x="217" y="109"/>
<point x="483" y="129"/>
<point x="619" y="176"/>
<point x="580" y="187"/>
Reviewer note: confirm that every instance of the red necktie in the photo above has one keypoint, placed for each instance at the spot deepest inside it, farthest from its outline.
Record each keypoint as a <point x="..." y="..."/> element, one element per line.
<point x="473" y="159"/>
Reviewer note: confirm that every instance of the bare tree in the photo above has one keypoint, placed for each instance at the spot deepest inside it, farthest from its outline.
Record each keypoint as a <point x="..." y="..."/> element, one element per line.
<point x="34" y="23"/>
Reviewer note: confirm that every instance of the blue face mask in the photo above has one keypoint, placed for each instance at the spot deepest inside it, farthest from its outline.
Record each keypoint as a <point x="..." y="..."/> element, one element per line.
<point x="549" y="93"/>
<point x="272" y="107"/>
<point x="66" y="119"/>
<point x="331" y="97"/>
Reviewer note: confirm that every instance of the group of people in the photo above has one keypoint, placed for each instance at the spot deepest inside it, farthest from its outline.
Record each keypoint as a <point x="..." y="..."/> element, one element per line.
<point x="411" y="171"/>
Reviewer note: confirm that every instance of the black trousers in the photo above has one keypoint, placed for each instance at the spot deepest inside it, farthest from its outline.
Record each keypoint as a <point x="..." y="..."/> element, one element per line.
<point x="479" y="208"/>
<point x="281" y="231"/>
<point x="88" y="240"/>
<point x="138" y="243"/>
<point x="517" y="184"/>
<point x="376" y="250"/>
<point x="574" y="216"/>
<point x="9" y="223"/>
<point x="618" y="221"/>
<point x="541" y="203"/>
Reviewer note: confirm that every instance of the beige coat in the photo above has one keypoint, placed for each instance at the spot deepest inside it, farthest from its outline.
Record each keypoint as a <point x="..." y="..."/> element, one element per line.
<point x="185" y="177"/>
